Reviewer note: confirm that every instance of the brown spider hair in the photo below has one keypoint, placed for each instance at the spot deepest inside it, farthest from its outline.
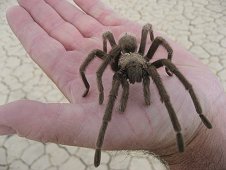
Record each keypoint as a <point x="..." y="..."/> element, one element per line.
<point x="131" y="66"/>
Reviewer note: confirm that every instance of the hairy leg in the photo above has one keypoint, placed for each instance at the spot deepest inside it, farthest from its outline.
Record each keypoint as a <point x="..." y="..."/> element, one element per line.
<point x="166" y="100"/>
<point x="107" y="117"/>
<point x="108" y="36"/>
<point x="145" y="30"/>
<point x="99" y="74"/>
<point x="187" y="85"/>
<point x="102" y="55"/>
<point x="125" y="94"/>
<point x="146" y="90"/>
<point x="154" y="46"/>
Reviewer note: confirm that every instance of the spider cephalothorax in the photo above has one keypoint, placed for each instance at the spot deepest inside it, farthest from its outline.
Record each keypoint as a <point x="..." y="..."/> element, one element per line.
<point x="131" y="66"/>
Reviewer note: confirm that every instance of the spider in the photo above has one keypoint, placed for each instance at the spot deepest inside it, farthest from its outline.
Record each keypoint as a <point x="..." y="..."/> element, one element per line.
<point x="131" y="66"/>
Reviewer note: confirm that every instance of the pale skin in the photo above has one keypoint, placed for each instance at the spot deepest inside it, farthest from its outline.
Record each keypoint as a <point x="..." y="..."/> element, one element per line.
<point x="54" y="34"/>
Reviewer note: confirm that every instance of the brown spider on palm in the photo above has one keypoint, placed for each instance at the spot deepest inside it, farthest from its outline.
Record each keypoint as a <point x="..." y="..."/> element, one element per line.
<point x="133" y="66"/>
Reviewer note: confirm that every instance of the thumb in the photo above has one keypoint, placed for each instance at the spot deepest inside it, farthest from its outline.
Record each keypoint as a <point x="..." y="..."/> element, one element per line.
<point x="54" y="122"/>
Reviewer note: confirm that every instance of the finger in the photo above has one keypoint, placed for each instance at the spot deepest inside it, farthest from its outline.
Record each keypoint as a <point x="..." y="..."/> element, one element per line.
<point x="44" y="50"/>
<point x="87" y="25"/>
<point x="100" y="12"/>
<point x="52" y="23"/>
<point x="58" y="123"/>
<point x="68" y="124"/>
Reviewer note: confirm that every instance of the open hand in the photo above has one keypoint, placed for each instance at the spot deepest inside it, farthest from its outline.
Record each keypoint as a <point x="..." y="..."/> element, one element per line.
<point x="58" y="36"/>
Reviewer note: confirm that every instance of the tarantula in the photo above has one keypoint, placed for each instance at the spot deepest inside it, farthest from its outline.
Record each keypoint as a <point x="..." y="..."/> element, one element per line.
<point x="131" y="66"/>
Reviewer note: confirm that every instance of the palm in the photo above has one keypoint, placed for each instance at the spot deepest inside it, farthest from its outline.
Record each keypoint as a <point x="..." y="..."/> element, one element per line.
<point x="67" y="66"/>
<point x="60" y="56"/>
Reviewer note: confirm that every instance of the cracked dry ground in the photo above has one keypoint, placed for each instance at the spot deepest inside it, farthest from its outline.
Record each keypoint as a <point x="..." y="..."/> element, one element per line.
<point x="200" y="26"/>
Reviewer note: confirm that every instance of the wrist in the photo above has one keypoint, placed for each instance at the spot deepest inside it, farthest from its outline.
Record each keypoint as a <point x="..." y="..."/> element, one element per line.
<point x="207" y="149"/>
